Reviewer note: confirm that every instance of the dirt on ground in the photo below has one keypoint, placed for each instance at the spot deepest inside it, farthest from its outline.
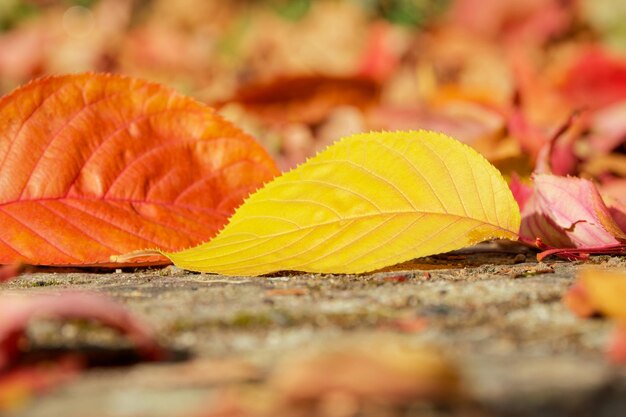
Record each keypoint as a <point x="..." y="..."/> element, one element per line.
<point x="494" y="314"/>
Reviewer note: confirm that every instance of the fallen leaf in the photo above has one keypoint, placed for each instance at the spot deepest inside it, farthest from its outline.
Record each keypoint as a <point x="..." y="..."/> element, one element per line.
<point x="92" y="165"/>
<point x="378" y="371"/>
<point x="568" y="213"/>
<point x="369" y="201"/>
<point x="553" y="153"/>
<point x="595" y="79"/>
<point x="305" y="99"/>
<point x="577" y="300"/>
<point x="598" y="292"/>
<point x="17" y="311"/>
<point x="521" y="192"/>
<point x="557" y="156"/>
<point x="361" y="377"/>
<point x="602" y="292"/>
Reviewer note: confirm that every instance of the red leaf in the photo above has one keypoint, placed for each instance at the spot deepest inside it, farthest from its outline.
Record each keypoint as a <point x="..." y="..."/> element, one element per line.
<point x="568" y="213"/>
<point x="95" y="165"/>
<point x="596" y="79"/>
<point x="380" y="60"/>
<point x="18" y="311"/>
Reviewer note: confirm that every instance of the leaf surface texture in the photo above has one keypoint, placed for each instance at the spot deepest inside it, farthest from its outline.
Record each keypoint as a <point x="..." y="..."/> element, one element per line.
<point x="93" y="165"/>
<point x="368" y="201"/>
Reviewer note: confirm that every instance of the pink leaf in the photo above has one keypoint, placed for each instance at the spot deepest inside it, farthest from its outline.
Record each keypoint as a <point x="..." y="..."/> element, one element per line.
<point x="568" y="213"/>
<point x="527" y="22"/>
<point x="17" y="311"/>
<point x="521" y="192"/>
<point x="608" y="128"/>
<point x="557" y="157"/>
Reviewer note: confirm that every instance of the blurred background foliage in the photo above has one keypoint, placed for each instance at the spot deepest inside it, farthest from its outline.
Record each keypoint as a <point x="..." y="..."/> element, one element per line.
<point x="189" y="43"/>
<point x="298" y="74"/>
<point x="175" y="41"/>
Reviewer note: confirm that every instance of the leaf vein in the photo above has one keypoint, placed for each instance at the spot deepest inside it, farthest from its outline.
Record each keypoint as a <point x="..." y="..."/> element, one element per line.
<point x="448" y="172"/>
<point x="369" y="172"/>
<point x="56" y="134"/>
<point x="75" y="226"/>
<point x="432" y="190"/>
<point x="36" y="233"/>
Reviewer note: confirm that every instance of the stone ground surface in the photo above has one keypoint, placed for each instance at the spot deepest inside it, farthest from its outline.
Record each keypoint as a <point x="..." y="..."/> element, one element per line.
<point x="497" y="316"/>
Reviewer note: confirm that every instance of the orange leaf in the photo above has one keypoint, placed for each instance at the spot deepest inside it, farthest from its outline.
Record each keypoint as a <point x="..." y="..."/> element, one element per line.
<point x="577" y="300"/>
<point x="602" y="292"/>
<point x="598" y="291"/>
<point x="306" y="99"/>
<point x="94" y="165"/>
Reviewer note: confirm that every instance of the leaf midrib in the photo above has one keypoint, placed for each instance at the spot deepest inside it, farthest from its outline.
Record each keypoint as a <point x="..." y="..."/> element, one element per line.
<point x="362" y="217"/>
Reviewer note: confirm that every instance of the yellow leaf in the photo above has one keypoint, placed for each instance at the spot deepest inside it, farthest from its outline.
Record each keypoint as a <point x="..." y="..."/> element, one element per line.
<point x="369" y="201"/>
<point x="604" y="291"/>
